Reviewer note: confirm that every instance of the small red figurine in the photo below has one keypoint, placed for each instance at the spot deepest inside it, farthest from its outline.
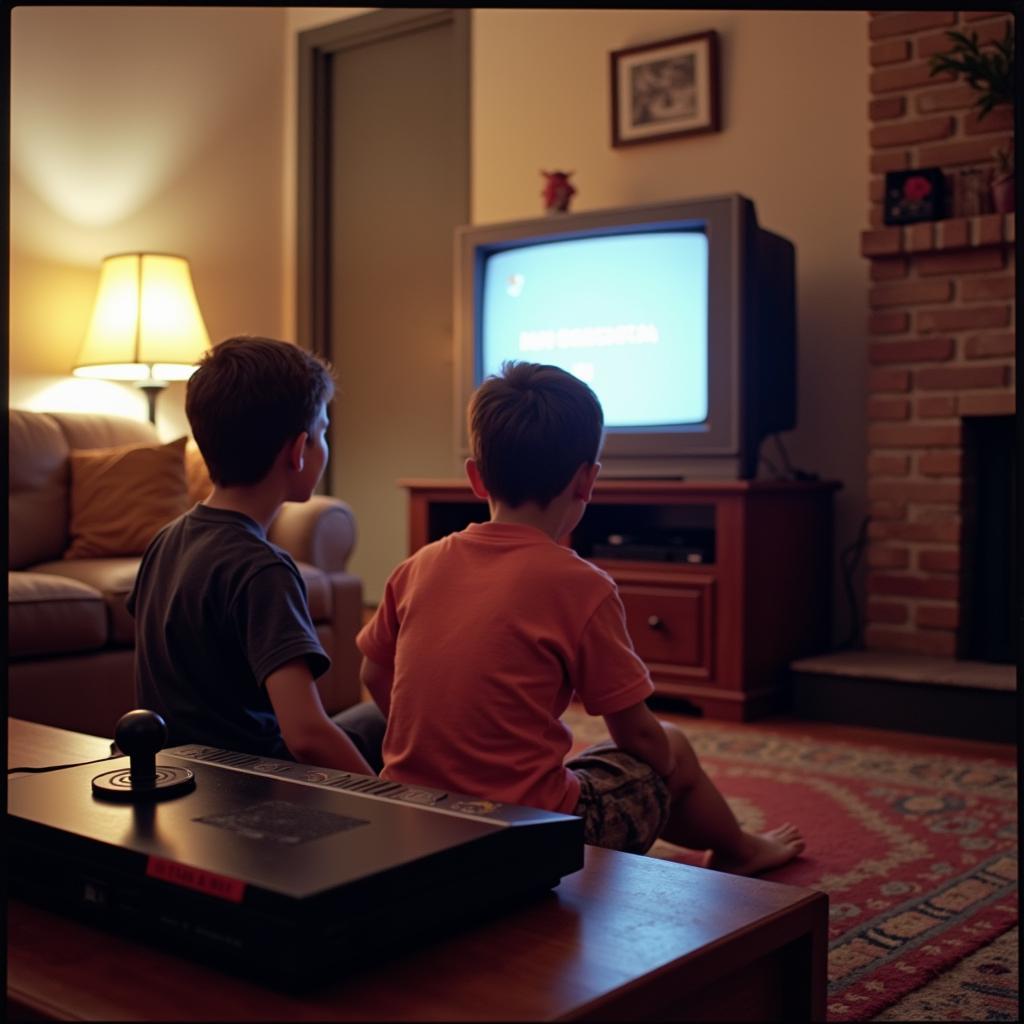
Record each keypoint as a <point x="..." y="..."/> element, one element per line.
<point x="558" y="191"/>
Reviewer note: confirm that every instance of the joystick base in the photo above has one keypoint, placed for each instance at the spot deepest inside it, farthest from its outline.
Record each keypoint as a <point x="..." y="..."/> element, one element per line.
<point x="169" y="781"/>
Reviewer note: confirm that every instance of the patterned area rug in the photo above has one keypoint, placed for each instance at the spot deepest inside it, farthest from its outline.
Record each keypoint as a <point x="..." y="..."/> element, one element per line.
<point x="918" y="854"/>
<point x="982" y="987"/>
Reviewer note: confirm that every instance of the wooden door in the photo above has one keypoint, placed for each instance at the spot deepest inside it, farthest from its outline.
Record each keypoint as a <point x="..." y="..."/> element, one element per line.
<point x="395" y="184"/>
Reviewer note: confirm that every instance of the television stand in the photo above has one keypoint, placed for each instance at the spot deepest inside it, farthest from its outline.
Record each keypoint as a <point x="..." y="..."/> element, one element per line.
<point x="647" y="477"/>
<point x="725" y="582"/>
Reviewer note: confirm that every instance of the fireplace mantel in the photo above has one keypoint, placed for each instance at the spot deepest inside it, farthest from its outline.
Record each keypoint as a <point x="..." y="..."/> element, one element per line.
<point x="993" y="229"/>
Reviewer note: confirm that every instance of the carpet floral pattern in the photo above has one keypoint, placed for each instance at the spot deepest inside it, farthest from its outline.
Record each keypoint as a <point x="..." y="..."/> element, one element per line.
<point x="985" y="986"/>
<point x="918" y="853"/>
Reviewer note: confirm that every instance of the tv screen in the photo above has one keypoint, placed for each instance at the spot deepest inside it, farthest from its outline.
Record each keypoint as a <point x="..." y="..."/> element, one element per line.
<point x="681" y="316"/>
<point x="626" y="313"/>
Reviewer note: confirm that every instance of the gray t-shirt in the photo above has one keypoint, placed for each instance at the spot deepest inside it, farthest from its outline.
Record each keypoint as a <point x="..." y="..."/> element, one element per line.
<point x="218" y="608"/>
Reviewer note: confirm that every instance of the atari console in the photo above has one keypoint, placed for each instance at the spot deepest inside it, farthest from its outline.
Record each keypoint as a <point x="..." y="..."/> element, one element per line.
<point x="290" y="873"/>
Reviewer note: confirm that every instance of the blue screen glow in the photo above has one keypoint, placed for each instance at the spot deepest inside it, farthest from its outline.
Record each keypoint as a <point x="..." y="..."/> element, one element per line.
<point x="626" y="313"/>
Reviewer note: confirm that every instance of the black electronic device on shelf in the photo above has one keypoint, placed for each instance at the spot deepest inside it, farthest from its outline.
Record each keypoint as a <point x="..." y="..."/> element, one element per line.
<point x="691" y="547"/>
<point x="287" y="872"/>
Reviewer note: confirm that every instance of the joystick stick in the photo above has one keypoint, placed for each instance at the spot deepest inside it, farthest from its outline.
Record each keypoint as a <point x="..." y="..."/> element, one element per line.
<point x="140" y="734"/>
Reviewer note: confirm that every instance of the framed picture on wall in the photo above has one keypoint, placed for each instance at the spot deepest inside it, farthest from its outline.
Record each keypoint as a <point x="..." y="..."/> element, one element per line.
<point x="665" y="90"/>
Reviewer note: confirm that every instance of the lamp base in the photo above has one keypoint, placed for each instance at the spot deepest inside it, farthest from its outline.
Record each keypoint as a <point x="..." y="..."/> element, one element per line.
<point x="152" y="389"/>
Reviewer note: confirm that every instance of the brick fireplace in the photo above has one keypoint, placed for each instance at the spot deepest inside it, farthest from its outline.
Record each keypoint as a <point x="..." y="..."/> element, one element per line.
<point x="940" y="348"/>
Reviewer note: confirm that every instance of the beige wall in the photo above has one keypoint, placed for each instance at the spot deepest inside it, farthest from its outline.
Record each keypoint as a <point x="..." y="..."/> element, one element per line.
<point x="154" y="128"/>
<point x="793" y="139"/>
<point x="140" y="128"/>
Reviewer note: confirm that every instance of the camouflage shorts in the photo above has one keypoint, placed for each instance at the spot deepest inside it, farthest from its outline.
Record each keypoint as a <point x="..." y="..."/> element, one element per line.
<point x="624" y="802"/>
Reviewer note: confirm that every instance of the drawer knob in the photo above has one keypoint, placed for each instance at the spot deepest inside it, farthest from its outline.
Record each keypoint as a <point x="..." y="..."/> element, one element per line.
<point x="654" y="622"/>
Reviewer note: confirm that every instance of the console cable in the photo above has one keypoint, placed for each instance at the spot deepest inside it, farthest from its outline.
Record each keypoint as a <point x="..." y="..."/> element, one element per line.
<point x="57" y="767"/>
<point x="791" y="470"/>
<point x="849" y="559"/>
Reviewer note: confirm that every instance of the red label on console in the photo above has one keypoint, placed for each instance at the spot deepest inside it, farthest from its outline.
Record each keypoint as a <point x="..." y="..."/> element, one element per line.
<point x="221" y="886"/>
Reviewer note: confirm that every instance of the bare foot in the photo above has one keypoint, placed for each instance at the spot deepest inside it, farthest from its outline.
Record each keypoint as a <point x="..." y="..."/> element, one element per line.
<point x="763" y="852"/>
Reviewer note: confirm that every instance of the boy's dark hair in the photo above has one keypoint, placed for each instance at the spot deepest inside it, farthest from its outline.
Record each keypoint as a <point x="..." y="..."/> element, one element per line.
<point x="248" y="398"/>
<point x="530" y="429"/>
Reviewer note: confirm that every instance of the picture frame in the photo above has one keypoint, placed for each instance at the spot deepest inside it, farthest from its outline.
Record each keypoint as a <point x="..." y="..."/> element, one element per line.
<point x="665" y="90"/>
<point x="914" y="196"/>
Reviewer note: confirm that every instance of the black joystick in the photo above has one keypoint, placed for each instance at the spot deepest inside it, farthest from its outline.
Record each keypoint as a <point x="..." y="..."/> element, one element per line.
<point x="140" y="734"/>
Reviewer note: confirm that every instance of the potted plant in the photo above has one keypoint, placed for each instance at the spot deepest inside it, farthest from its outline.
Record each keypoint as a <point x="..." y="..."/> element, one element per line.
<point x="988" y="69"/>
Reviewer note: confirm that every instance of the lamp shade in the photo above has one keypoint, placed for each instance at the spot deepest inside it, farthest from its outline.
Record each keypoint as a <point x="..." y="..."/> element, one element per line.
<point x="146" y="324"/>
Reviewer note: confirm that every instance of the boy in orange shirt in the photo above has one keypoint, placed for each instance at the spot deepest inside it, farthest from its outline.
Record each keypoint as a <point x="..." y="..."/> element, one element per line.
<point x="483" y="637"/>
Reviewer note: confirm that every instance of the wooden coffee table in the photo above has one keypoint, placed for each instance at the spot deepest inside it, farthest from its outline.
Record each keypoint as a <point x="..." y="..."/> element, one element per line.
<point x="625" y="938"/>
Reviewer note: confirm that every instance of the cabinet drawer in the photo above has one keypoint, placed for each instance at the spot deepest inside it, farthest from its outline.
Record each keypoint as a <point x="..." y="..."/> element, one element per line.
<point x="671" y="623"/>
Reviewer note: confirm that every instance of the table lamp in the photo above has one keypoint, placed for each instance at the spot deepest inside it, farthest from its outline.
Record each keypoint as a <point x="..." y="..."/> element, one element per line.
<point x="146" y="325"/>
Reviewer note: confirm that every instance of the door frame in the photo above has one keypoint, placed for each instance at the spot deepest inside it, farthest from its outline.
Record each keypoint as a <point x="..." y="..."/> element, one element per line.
<point x="313" y="213"/>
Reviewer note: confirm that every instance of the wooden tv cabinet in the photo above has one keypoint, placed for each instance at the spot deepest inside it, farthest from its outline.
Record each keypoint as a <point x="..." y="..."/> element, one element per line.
<point x="717" y="630"/>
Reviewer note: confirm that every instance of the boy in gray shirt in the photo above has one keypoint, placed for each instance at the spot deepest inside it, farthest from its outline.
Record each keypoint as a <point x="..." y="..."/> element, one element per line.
<point x="226" y="650"/>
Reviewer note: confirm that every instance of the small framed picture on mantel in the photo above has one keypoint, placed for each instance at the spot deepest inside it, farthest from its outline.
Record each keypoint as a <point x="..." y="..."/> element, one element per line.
<point x="913" y="196"/>
<point x="665" y="90"/>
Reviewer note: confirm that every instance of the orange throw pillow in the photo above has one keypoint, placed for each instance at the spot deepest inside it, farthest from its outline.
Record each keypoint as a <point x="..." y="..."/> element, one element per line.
<point x="197" y="477"/>
<point x="121" y="496"/>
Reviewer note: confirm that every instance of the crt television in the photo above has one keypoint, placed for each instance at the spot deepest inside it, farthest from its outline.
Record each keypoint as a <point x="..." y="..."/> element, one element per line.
<point x="680" y="315"/>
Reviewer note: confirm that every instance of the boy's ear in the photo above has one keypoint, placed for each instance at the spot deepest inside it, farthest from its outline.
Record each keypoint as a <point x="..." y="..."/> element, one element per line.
<point x="475" y="480"/>
<point x="584" y="480"/>
<point x="297" y="452"/>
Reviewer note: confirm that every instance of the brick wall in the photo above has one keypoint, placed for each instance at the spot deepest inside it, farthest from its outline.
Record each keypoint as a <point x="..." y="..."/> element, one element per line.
<point x="940" y="325"/>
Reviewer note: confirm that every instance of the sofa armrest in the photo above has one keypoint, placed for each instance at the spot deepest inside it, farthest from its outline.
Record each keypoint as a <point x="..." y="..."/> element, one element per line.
<point x="321" y="531"/>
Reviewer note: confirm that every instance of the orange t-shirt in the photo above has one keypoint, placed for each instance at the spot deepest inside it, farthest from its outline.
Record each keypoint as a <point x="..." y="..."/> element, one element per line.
<point x="489" y="631"/>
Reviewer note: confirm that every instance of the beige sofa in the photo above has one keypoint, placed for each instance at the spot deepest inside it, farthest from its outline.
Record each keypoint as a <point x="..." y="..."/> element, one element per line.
<point x="70" y="638"/>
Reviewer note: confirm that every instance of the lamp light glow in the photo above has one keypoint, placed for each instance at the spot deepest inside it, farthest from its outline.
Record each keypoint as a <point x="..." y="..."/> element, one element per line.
<point x="146" y="325"/>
